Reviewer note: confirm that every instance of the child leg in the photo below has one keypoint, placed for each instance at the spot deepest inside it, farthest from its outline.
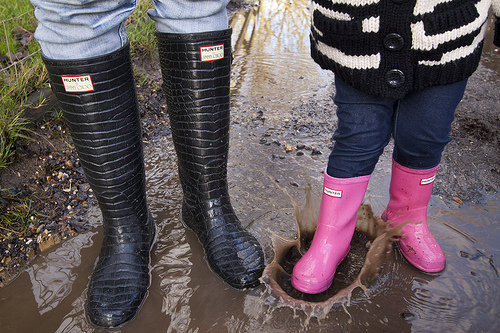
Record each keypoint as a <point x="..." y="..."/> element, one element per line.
<point x="421" y="131"/>
<point x="364" y="128"/>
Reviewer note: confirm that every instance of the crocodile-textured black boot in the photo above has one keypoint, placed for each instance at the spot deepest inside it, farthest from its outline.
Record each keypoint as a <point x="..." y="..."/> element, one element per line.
<point x="196" y="78"/>
<point x="99" y="104"/>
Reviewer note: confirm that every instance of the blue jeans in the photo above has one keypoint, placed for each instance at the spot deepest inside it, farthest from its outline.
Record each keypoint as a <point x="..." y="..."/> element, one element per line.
<point x="81" y="29"/>
<point x="420" y="124"/>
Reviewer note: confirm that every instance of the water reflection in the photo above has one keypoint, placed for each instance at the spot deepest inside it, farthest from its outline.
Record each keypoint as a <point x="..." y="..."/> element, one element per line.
<point x="491" y="53"/>
<point x="174" y="270"/>
<point x="52" y="277"/>
<point x="75" y="320"/>
<point x="271" y="52"/>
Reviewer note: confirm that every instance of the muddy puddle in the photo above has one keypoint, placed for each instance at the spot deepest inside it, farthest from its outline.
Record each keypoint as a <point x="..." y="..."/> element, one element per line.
<point x="271" y="166"/>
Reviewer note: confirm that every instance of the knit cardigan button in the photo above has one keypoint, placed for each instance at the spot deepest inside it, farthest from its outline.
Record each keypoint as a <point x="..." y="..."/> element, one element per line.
<point x="393" y="42"/>
<point x="395" y="78"/>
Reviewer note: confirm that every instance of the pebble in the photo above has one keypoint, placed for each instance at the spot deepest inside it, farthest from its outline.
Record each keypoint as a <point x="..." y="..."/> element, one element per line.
<point x="316" y="152"/>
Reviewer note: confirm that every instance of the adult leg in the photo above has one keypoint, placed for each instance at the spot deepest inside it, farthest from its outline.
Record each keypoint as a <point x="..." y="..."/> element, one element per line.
<point x="87" y="56"/>
<point x="195" y="55"/>
<point x="189" y="16"/>
<point x="421" y="131"/>
<point x="82" y="29"/>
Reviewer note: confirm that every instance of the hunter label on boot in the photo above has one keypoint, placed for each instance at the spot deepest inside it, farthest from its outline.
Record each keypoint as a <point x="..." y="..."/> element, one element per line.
<point x="211" y="53"/>
<point x="426" y="181"/>
<point x="77" y="83"/>
<point x="332" y="193"/>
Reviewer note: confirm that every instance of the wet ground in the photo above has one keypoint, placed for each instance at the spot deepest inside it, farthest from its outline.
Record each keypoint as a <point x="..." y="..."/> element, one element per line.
<point x="283" y="118"/>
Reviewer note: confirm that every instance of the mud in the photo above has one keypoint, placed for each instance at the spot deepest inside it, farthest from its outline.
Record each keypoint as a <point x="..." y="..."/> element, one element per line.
<point x="283" y="119"/>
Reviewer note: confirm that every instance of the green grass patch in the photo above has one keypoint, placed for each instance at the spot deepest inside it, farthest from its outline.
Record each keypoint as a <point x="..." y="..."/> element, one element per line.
<point x="21" y="71"/>
<point x="18" y="216"/>
<point x="141" y="31"/>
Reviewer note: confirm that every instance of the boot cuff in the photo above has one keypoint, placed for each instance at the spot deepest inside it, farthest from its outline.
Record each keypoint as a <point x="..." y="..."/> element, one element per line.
<point x="194" y="37"/>
<point x="122" y="52"/>
<point x="346" y="181"/>
<point x="414" y="171"/>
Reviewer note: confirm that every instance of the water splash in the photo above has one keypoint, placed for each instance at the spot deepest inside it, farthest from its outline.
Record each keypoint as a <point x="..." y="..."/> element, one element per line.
<point x="373" y="240"/>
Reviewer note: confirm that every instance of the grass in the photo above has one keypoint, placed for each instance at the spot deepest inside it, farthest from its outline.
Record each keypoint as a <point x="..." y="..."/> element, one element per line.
<point x="17" y="217"/>
<point x="141" y="31"/>
<point x="21" y="73"/>
<point x="20" y="80"/>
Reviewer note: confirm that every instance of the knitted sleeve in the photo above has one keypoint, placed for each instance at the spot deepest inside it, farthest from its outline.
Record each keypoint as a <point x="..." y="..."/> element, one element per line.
<point x="496" y="12"/>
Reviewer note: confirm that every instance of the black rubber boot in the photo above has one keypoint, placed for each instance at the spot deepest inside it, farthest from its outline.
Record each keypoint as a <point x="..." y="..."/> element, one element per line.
<point x="196" y="77"/>
<point x="99" y="104"/>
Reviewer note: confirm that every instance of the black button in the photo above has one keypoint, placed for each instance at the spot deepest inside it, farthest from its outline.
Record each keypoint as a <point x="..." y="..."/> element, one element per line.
<point x="395" y="78"/>
<point x="393" y="42"/>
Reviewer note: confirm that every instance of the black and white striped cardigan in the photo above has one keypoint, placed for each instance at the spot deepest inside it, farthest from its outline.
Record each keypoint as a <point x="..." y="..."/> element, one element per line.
<point x="391" y="47"/>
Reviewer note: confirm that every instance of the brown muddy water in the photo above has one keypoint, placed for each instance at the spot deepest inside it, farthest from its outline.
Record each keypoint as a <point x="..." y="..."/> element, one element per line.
<point x="273" y="80"/>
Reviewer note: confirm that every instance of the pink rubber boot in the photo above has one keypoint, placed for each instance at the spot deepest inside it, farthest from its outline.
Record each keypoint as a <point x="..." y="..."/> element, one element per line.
<point x="341" y="199"/>
<point x="410" y="192"/>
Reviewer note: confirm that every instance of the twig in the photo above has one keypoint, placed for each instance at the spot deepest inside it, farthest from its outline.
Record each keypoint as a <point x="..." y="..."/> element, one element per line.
<point x="8" y="46"/>
<point x="15" y="18"/>
<point x="18" y="61"/>
<point x="7" y="229"/>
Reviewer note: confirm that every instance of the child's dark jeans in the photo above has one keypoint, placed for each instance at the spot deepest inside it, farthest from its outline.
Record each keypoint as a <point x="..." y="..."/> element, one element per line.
<point x="420" y="124"/>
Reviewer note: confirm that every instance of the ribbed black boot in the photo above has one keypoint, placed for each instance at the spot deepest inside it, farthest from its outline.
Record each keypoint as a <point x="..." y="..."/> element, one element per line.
<point x="99" y="104"/>
<point x="196" y="77"/>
